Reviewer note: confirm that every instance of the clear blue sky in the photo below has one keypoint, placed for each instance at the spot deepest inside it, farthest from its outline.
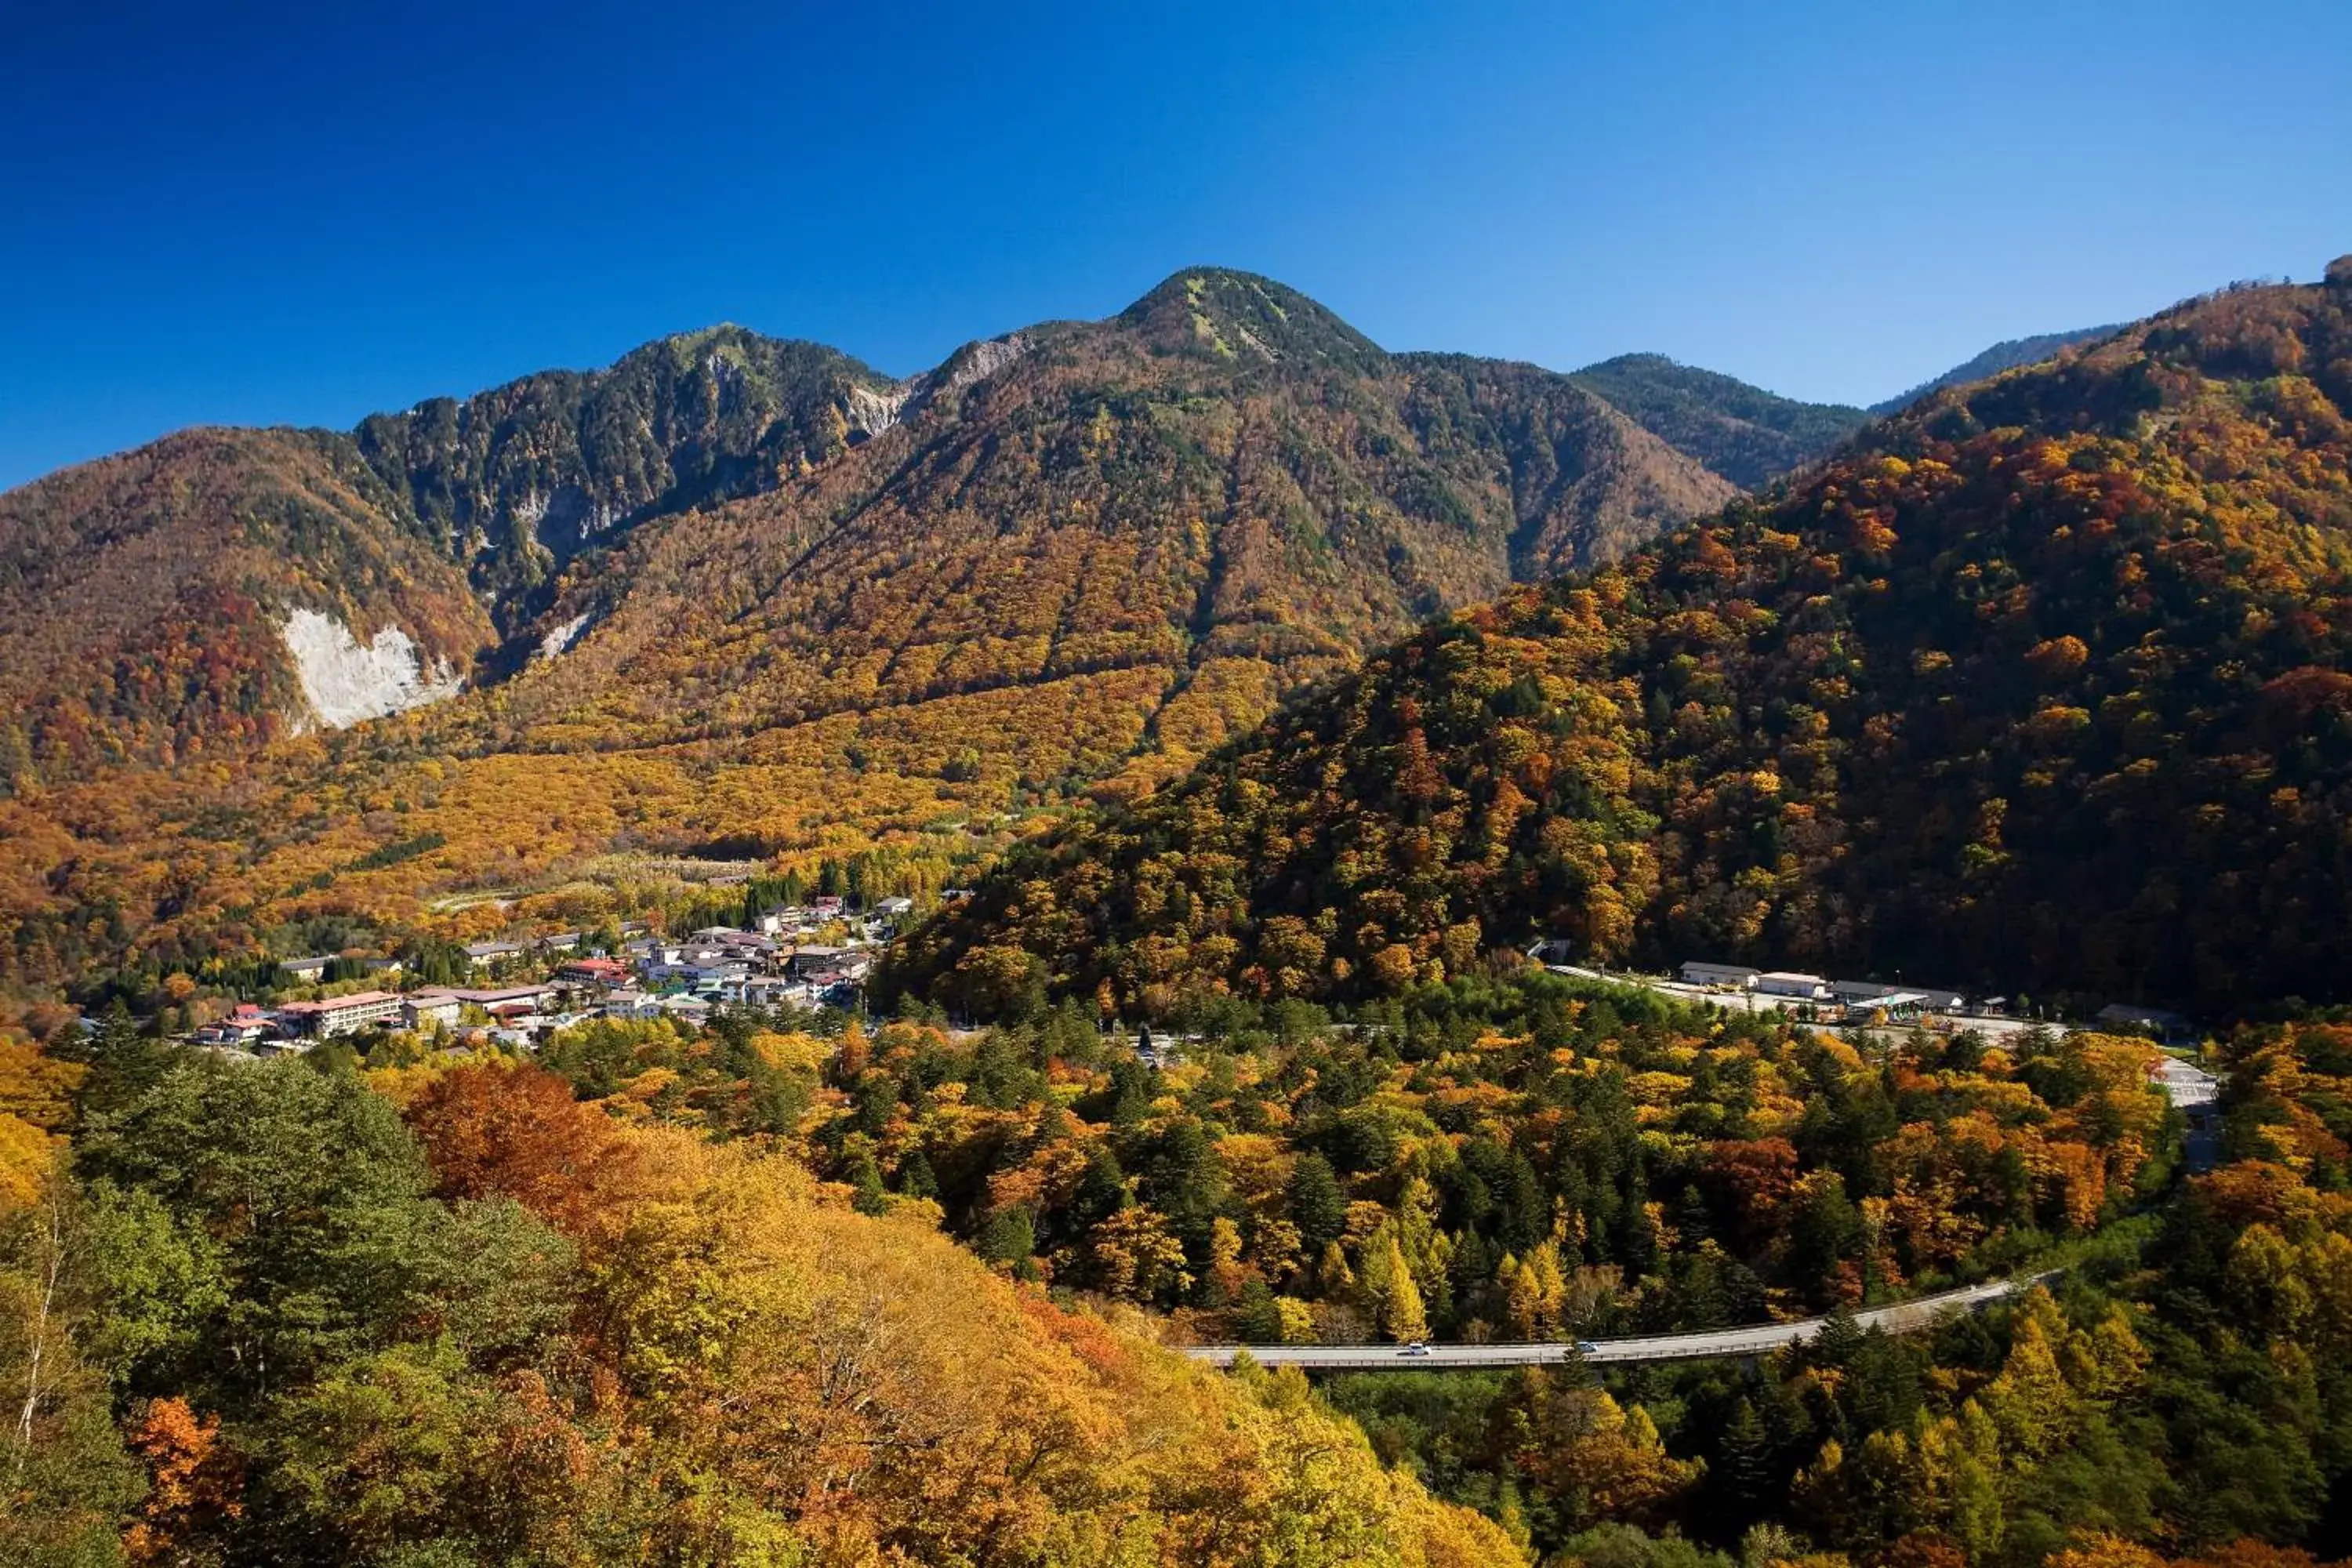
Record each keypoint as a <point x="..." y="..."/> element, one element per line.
<point x="246" y="213"/>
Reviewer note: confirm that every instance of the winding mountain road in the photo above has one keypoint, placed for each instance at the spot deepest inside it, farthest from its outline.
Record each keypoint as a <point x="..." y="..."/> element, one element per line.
<point x="2190" y="1086"/>
<point x="1761" y="1339"/>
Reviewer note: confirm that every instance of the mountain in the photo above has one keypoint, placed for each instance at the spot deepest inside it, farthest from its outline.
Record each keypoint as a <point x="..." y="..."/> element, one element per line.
<point x="246" y="628"/>
<point x="220" y="588"/>
<point x="2046" y="687"/>
<point x="516" y="482"/>
<point x="1749" y="435"/>
<point x="148" y="597"/>
<point x="1075" y="557"/>
<point x="1224" y="488"/>
<point x="2001" y="356"/>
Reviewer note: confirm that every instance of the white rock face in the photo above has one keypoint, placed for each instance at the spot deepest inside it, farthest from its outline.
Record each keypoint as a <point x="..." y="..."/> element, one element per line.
<point x="345" y="681"/>
<point x="981" y="360"/>
<point x="871" y="413"/>
<point x="552" y="644"/>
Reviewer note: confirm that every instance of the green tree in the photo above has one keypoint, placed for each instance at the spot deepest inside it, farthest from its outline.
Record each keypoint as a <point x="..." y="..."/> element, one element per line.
<point x="1318" y="1207"/>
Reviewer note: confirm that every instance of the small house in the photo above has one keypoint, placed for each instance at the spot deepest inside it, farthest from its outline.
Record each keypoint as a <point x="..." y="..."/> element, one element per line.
<point x="804" y="962"/>
<point x="246" y="1027"/>
<point x="506" y="1001"/>
<point x="594" y="971"/>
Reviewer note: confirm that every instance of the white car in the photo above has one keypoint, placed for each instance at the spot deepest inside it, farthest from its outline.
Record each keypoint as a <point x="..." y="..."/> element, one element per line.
<point x="1416" y="1347"/>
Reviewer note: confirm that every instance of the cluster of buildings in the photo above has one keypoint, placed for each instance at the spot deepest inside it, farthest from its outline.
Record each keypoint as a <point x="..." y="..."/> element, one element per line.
<point x="516" y="1013"/>
<point x="651" y="976"/>
<point x="1836" y="998"/>
<point x="1864" y="1000"/>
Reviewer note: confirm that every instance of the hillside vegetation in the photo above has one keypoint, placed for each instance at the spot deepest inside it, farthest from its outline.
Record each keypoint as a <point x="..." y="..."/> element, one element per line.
<point x="261" y="1316"/>
<point x="2008" y="354"/>
<point x="1546" y="1160"/>
<point x="515" y="482"/>
<point x="1744" y="433"/>
<point x="2046" y="688"/>
<point x="143" y="597"/>
<point x="440" y="1307"/>
<point x="1078" y="557"/>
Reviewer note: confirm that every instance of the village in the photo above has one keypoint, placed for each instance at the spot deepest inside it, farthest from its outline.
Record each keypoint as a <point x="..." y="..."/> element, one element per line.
<point x="520" y="991"/>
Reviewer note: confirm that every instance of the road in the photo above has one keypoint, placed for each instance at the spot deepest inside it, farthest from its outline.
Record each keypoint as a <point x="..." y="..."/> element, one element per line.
<point x="2186" y="1084"/>
<point x="2198" y="1093"/>
<point x="1718" y="1344"/>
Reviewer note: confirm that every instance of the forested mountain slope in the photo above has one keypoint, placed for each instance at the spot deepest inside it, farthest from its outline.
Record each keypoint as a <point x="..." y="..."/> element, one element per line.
<point x="1084" y="551"/>
<point x="146" y="599"/>
<point x="515" y="482"/>
<point x="277" y="1322"/>
<point x="1744" y="433"/>
<point x="2046" y="688"/>
<point x="1224" y="489"/>
<point x="2008" y="354"/>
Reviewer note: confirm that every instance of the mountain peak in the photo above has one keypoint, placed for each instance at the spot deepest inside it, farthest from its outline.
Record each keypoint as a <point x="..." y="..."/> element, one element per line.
<point x="1245" y="319"/>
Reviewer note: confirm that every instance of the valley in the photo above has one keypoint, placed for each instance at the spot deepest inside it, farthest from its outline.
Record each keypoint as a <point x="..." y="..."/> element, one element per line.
<point x="640" y="945"/>
<point x="1070" y="560"/>
<point x="794" y="786"/>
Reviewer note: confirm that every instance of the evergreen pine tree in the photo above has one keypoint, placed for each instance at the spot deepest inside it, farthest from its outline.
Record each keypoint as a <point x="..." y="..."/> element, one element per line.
<point x="1258" y="1319"/>
<point x="1742" y="1470"/>
<point x="916" y="1179"/>
<point x="1318" y="1207"/>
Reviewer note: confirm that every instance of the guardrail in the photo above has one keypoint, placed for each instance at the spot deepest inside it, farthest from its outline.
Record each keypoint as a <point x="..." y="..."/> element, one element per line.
<point x="1713" y="1344"/>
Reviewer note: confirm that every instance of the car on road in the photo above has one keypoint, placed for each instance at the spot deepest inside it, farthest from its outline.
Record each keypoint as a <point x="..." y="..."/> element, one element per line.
<point x="1586" y="1347"/>
<point x="1416" y="1347"/>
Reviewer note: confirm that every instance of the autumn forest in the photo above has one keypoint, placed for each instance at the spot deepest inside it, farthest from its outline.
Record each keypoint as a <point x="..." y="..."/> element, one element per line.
<point x="728" y="959"/>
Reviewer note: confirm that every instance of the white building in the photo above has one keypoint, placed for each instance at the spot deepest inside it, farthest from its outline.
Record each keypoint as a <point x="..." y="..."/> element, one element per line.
<point x="631" y="1005"/>
<point x="341" y="1015"/>
<point x="1868" y="994"/>
<point x="426" y="1007"/>
<point x="1789" y="983"/>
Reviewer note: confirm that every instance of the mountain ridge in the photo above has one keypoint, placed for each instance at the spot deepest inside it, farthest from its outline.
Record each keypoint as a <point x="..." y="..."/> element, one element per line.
<point x="2043" y="686"/>
<point x="530" y="488"/>
<point x="2011" y="354"/>
<point x="1070" y="559"/>
<point x="1746" y="434"/>
<point x="1066" y="563"/>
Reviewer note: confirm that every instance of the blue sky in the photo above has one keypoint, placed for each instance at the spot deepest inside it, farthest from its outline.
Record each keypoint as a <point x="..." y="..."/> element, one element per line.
<point x="260" y="213"/>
